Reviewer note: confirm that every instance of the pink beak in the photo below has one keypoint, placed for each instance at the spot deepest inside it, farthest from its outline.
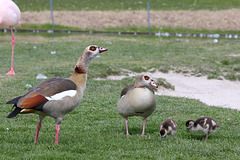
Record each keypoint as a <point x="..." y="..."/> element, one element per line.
<point x="152" y="83"/>
<point x="102" y="49"/>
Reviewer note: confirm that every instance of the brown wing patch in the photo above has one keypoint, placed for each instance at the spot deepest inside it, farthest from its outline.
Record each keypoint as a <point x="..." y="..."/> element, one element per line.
<point x="31" y="100"/>
<point x="50" y="87"/>
<point x="54" y="86"/>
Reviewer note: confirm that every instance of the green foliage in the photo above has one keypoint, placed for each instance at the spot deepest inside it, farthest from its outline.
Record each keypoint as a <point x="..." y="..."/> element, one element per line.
<point x="162" y="82"/>
<point x="94" y="130"/>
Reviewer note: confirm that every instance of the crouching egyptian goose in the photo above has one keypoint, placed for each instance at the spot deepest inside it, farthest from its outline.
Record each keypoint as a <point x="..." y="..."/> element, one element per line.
<point x="206" y="125"/>
<point x="137" y="100"/>
<point x="57" y="96"/>
<point x="168" y="126"/>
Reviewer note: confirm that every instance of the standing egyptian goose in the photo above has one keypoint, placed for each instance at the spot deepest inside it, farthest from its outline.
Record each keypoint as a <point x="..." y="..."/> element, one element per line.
<point x="57" y="96"/>
<point x="169" y="126"/>
<point x="206" y="125"/>
<point x="137" y="100"/>
<point x="10" y="15"/>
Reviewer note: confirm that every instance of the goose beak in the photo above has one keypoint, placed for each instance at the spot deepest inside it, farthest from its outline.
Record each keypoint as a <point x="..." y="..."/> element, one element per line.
<point x="102" y="49"/>
<point x="152" y="83"/>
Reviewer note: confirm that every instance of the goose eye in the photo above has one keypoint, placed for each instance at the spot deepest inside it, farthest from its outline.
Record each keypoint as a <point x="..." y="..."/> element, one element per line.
<point x="146" y="77"/>
<point x="93" y="48"/>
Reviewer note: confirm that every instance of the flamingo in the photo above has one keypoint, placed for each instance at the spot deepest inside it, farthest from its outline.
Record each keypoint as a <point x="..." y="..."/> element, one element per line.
<point x="9" y="16"/>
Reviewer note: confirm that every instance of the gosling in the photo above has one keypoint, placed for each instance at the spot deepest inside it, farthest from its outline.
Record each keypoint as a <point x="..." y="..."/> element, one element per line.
<point x="168" y="126"/>
<point x="206" y="125"/>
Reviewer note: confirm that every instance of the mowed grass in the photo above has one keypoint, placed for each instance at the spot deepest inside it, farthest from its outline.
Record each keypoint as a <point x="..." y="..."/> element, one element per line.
<point x="103" y="5"/>
<point x="94" y="130"/>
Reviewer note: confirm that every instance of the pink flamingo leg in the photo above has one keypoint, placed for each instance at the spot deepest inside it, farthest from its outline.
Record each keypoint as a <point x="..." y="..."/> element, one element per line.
<point x="11" y="72"/>
<point x="57" y="131"/>
<point x="126" y="122"/>
<point x="37" y="133"/>
<point x="144" y="123"/>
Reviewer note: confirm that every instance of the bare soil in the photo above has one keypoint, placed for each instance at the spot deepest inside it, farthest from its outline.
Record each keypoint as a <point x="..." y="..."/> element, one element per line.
<point x="203" y="19"/>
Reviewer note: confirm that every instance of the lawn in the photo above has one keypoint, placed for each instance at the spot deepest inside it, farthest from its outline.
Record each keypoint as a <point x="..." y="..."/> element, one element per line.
<point x="94" y="130"/>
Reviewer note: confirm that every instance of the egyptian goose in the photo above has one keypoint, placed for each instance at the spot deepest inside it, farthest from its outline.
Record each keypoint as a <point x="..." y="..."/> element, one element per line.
<point x="57" y="96"/>
<point x="168" y="126"/>
<point x="137" y="100"/>
<point x="206" y="125"/>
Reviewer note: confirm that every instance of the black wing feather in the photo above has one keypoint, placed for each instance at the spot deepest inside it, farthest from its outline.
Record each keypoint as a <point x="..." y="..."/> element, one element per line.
<point x="14" y="101"/>
<point x="15" y="112"/>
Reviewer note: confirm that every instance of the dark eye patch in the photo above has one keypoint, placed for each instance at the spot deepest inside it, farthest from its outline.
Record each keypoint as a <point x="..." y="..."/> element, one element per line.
<point x="93" y="48"/>
<point x="146" y="77"/>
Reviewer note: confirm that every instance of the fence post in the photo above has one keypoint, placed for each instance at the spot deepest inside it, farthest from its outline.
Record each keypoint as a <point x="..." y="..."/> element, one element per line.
<point x="53" y="26"/>
<point x="149" y="28"/>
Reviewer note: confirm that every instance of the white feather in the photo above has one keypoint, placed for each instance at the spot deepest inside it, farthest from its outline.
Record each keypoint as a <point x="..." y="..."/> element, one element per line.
<point x="61" y="95"/>
<point x="169" y="129"/>
<point x="213" y="123"/>
<point x="197" y="128"/>
<point x="174" y="125"/>
<point x="205" y="121"/>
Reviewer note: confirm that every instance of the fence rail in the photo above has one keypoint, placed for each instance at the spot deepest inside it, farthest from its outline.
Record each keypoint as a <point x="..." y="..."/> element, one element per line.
<point x="160" y="34"/>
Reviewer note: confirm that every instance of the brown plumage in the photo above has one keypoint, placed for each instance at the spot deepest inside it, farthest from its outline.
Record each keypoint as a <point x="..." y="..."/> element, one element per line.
<point x="206" y="125"/>
<point x="137" y="100"/>
<point x="57" y="96"/>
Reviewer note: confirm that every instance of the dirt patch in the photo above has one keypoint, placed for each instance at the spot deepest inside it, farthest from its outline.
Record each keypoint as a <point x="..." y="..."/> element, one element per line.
<point x="222" y="93"/>
<point x="203" y="19"/>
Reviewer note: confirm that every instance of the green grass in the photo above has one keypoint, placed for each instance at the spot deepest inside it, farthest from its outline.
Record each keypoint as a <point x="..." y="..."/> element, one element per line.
<point x="129" y="29"/>
<point x="103" y="5"/>
<point x="94" y="130"/>
<point x="199" y="57"/>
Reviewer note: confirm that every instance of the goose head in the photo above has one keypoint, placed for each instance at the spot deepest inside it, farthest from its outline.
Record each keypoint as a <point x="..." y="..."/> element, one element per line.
<point x="163" y="133"/>
<point x="145" y="80"/>
<point x="92" y="51"/>
<point x="86" y="57"/>
<point x="189" y="124"/>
